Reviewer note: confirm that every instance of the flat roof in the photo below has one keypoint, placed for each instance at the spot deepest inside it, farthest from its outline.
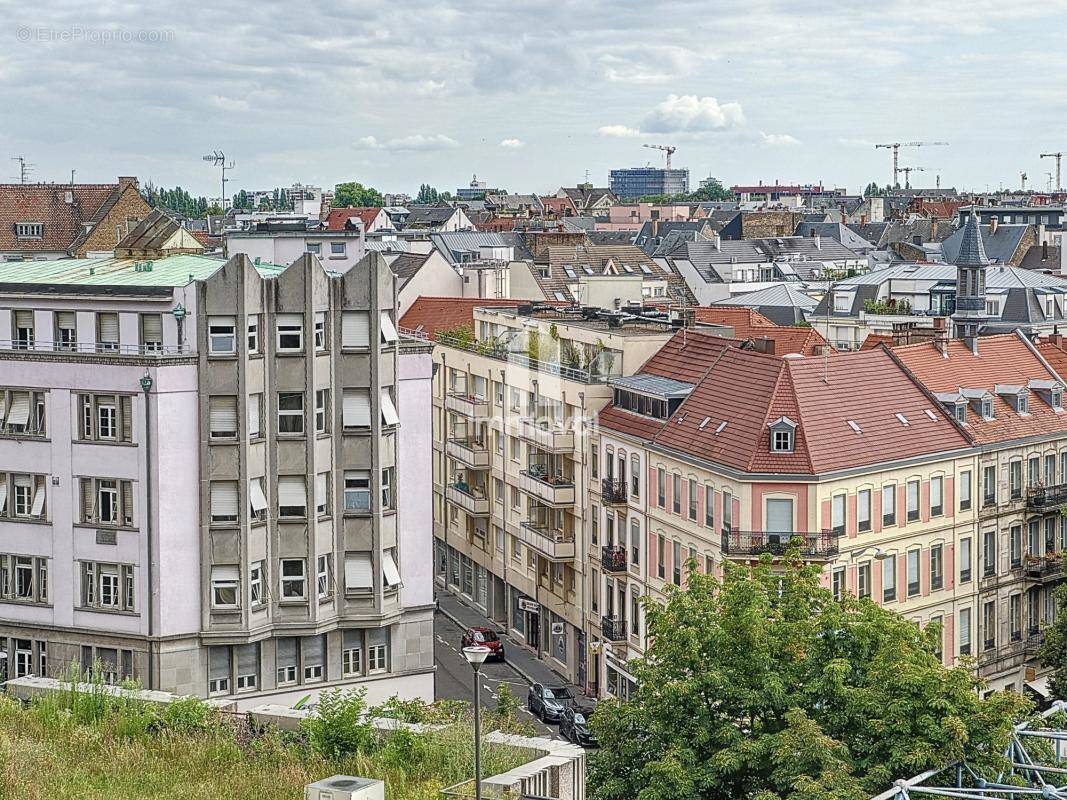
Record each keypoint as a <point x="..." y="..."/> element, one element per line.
<point x="178" y="270"/>
<point x="667" y="388"/>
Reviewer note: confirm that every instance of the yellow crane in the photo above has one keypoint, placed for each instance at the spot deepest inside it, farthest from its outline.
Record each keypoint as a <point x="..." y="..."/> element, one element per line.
<point x="666" y="148"/>
<point x="895" y="147"/>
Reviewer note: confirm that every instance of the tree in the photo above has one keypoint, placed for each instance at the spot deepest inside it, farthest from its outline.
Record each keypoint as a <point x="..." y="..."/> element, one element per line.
<point x="763" y="686"/>
<point x="347" y="195"/>
<point x="427" y="194"/>
<point x="872" y="190"/>
<point x="1054" y="650"/>
<point x="713" y="190"/>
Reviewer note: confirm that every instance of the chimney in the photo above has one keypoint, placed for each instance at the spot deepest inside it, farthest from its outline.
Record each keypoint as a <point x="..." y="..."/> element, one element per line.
<point x="993" y="222"/>
<point x="1056" y="339"/>
<point x="764" y="344"/>
<point x="933" y="230"/>
<point x="1044" y="250"/>
<point x="818" y="242"/>
<point x="718" y="242"/>
<point x="127" y="180"/>
<point x="941" y="335"/>
<point x="863" y="219"/>
<point x="655" y="228"/>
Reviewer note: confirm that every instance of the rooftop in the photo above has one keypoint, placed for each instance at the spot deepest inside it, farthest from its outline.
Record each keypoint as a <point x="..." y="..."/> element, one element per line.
<point x="178" y="270"/>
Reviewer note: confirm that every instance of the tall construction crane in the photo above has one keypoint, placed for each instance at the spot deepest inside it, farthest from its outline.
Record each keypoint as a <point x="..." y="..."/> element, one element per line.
<point x="1057" y="156"/>
<point x="907" y="174"/>
<point x="895" y="147"/>
<point x="666" y="148"/>
<point x="1022" y="180"/>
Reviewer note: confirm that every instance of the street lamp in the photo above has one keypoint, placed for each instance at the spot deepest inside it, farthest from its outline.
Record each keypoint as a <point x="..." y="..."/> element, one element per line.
<point x="878" y="553"/>
<point x="179" y="313"/>
<point x="476" y="657"/>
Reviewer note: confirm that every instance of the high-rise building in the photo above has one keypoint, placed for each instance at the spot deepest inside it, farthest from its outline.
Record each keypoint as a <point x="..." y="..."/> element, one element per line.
<point x="648" y="181"/>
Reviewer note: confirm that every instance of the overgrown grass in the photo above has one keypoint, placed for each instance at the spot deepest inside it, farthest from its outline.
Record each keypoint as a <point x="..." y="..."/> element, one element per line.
<point x="85" y="744"/>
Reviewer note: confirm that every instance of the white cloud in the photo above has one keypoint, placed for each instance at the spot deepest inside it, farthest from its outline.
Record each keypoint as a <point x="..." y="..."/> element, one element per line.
<point x="512" y="144"/>
<point x="778" y="139"/>
<point x="415" y="142"/>
<point x="688" y="113"/>
<point x="223" y="103"/>
<point x="618" y="131"/>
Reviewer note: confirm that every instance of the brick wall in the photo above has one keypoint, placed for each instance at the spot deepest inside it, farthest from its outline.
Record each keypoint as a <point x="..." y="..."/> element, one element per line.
<point x="769" y="224"/>
<point x="130" y="206"/>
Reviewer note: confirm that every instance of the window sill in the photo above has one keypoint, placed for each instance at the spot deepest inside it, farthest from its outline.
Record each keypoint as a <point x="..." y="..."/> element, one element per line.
<point x="221" y="356"/>
<point x="358" y="593"/>
<point x="100" y="610"/>
<point x="26" y="520"/>
<point x="291" y="520"/>
<point x="327" y="599"/>
<point x="291" y="437"/>
<point x="223" y="440"/>
<point x="226" y="610"/>
<point x="19" y="601"/>
<point x="356" y="431"/>
<point x="24" y="436"/>
<point x="105" y="442"/>
<point x="289" y="353"/>
<point x="293" y="601"/>
<point x="322" y="434"/>
<point x="227" y="525"/>
<point x="106" y="527"/>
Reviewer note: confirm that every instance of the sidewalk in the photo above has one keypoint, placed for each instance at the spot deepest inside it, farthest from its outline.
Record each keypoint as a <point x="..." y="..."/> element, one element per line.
<point x="519" y="657"/>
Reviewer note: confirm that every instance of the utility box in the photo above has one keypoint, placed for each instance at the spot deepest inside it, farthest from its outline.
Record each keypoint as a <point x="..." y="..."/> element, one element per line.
<point x="345" y="787"/>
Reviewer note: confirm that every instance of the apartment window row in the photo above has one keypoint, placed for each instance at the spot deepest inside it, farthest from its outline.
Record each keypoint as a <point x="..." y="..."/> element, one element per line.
<point x="105" y="418"/>
<point x="107" y="502"/>
<point x="22" y="496"/>
<point x="355" y="413"/>
<point x="105" y="325"/>
<point x="615" y="470"/>
<point x="289" y="332"/>
<point x="23" y="578"/>
<point x="108" y="587"/>
<point x="21" y="654"/>
<point x="694" y="493"/>
<point x="292" y="496"/>
<point x="113" y="665"/>
<point x="890" y="513"/>
<point x="913" y="570"/>
<point x="22" y="412"/>
<point x="1041" y="471"/>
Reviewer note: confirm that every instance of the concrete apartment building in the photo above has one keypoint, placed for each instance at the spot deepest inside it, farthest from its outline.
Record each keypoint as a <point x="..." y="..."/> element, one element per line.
<point x="208" y="478"/>
<point x="284" y="240"/>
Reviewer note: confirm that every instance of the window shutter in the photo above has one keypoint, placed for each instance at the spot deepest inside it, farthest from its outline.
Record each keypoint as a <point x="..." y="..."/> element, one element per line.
<point x="23" y="319"/>
<point x="218" y="663"/>
<point x="127" y="503"/>
<point x="38" y="499"/>
<point x="780" y="516"/>
<point x="355" y="329"/>
<point x="88" y="507"/>
<point x="247" y="659"/>
<point x="66" y="320"/>
<point x="256" y="496"/>
<point x="223" y="499"/>
<point x="3" y="493"/>
<point x="359" y="572"/>
<point x="225" y="574"/>
<point x="19" y="414"/>
<point x="388" y="328"/>
<point x="389" y="570"/>
<point x="223" y="416"/>
<point x="389" y="415"/>
<point x="126" y="407"/>
<point x="151" y="329"/>
<point x="286" y="651"/>
<point x="291" y="491"/>
<point x="356" y="411"/>
<point x="86" y="424"/>
<point x="3" y="405"/>
<point x="253" y="415"/>
<point x="109" y="327"/>
<point x="320" y="489"/>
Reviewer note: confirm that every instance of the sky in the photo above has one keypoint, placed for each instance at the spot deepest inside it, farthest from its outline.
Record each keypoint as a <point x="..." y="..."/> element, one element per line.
<point x="530" y="94"/>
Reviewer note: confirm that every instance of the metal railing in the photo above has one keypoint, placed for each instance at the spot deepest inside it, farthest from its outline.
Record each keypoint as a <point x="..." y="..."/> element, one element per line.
<point x="1044" y="568"/>
<point x="817" y="545"/>
<point x="1044" y="498"/>
<point x="613" y="558"/>
<point x="613" y="629"/>
<point x="95" y="348"/>
<point x="498" y="353"/>
<point x="612" y="492"/>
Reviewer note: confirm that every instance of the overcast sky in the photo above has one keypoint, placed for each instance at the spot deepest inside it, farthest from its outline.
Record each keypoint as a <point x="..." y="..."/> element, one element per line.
<point x="531" y="94"/>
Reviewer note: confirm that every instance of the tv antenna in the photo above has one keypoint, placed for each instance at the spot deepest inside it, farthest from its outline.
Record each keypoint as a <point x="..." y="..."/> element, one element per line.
<point x="25" y="168"/>
<point x="218" y="159"/>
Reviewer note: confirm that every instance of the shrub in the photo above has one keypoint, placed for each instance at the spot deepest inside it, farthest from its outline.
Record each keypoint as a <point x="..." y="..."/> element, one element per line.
<point x="187" y="715"/>
<point x="338" y="726"/>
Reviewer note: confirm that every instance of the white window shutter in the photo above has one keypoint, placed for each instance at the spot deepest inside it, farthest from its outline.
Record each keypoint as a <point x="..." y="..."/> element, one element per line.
<point x="355" y="329"/>
<point x="388" y="328"/>
<point x="389" y="415"/>
<point x="257" y="497"/>
<point x="320" y="489"/>
<point x="225" y="574"/>
<point x="20" y="409"/>
<point x="152" y="328"/>
<point x="253" y="415"/>
<point x="38" y="500"/>
<point x="223" y="415"/>
<point x="66" y="320"/>
<point x="3" y="494"/>
<point x="359" y="572"/>
<point x="356" y="408"/>
<point x="109" y="327"/>
<point x="292" y="491"/>
<point x="224" y="499"/>
<point x="389" y="569"/>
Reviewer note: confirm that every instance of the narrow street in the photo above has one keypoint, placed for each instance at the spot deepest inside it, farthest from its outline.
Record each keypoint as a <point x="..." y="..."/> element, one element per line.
<point x="455" y="679"/>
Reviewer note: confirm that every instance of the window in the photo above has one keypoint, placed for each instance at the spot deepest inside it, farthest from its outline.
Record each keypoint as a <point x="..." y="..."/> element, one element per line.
<point x="676" y="558"/>
<point x="965" y="631"/>
<point x="355" y="330"/>
<point x="218" y="670"/>
<point x="257" y="500"/>
<point x="1050" y="470"/>
<point x="635" y="478"/>
<point x="889" y="505"/>
<point x="322" y="414"/>
<point x="320" y="331"/>
<point x="337" y="249"/>
<point x="257" y="595"/>
<point x="913" y="500"/>
<point x="779" y="516"/>
<point x="322" y="494"/>
<point x="913" y="573"/>
<point x="837" y="514"/>
<point x="782" y="440"/>
<point x="151" y="333"/>
<point x="221" y="336"/>
<point x="66" y="336"/>
<point x="29" y="230"/>
<point x="106" y="501"/>
<point x="324" y="577"/>
<point x="987" y="407"/>
<point x="594" y="463"/>
<point x="965" y="490"/>
<point x="253" y="334"/>
<point x="388" y="493"/>
<point x="889" y="579"/>
<point x="863" y="510"/>
<point x="292" y="497"/>
<point x="937" y="566"/>
<point x="107" y="586"/>
<point x="224" y="587"/>
<point x="965" y="560"/>
<point x="709" y="506"/>
<point x="692" y="499"/>
<point x="24" y="578"/>
<point x="355" y="409"/>
<point x="293" y="579"/>
<point x="290" y="413"/>
<point x="989" y="485"/>
<point x="1015" y="617"/>
<point x="727" y="511"/>
<point x="1015" y="479"/>
<point x="247" y="658"/>
<point x="837" y="583"/>
<point x="28" y="499"/>
<point x="287" y="656"/>
<point x="661" y="488"/>
<point x="224" y="503"/>
<point x="378" y="650"/>
<point x="107" y="332"/>
<point x="105" y="418"/>
<point x="222" y="417"/>
<point x="635" y="543"/>
<point x="22" y="322"/>
<point x="315" y="248"/>
<point x="389" y="415"/>
<point x="253" y="414"/>
<point x="937" y="494"/>
<point x="1033" y="471"/>
<point x="290" y="333"/>
<point x="351" y="653"/>
<point x="863" y="581"/>
<point x="989" y="553"/>
<point x="661" y="557"/>
<point x="676" y="493"/>
<point x="357" y="490"/>
<point x="1015" y="545"/>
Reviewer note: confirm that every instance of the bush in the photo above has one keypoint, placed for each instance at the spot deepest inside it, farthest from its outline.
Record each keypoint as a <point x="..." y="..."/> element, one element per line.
<point x="338" y="727"/>
<point x="187" y="715"/>
<point x="418" y="711"/>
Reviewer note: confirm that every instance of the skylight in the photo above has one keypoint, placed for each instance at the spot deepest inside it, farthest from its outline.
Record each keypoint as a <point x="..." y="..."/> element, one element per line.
<point x="570" y="272"/>
<point x="931" y="415"/>
<point x="852" y="424"/>
<point x="588" y="270"/>
<point x="722" y="425"/>
<point x="902" y="418"/>
<point x="645" y="269"/>
<point x="704" y="424"/>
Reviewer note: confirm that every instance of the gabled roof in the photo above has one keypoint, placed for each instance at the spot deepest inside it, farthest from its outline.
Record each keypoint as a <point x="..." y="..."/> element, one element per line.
<point x="460" y="246"/>
<point x="148" y="237"/>
<point x="337" y="218"/>
<point x="428" y="216"/>
<point x="750" y="324"/>
<point x="785" y="295"/>
<point x="625" y="260"/>
<point x="406" y="265"/>
<point x="64" y="223"/>
<point x="842" y="234"/>
<point x="1038" y="257"/>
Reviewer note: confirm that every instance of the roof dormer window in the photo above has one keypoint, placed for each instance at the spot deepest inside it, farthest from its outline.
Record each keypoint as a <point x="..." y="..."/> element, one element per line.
<point x="987" y="408"/>
<point x="1057" y="399"/>
<point x="783" y="432"/>
<point x="960" y="412"/>
<point x="1023" y="404"/>
<point x="29" y="230"/>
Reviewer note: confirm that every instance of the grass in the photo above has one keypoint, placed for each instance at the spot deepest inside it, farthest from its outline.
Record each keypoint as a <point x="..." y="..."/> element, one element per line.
<point x="67" y="747"/>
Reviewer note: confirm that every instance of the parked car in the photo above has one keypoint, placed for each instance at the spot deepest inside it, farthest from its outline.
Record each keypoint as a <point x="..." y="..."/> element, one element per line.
<point x="547" y="702"/>
<point x="483" y="637"/>
<point x="574" y="726"/>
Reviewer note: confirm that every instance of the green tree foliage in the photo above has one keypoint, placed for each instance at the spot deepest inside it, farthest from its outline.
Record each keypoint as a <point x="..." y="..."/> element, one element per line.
<point x="762" y="686"/>
<point x="176" y="200"/>
<point x="1054" y="650"/>
<point x="712" y="191"/>
<point x="351" y="194"/>
<point x="427" y="194"/>
<point x="339" y="725"/>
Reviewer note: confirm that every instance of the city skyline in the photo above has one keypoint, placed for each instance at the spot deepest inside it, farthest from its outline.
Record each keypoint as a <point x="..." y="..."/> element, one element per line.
<point x="528" y="98"/>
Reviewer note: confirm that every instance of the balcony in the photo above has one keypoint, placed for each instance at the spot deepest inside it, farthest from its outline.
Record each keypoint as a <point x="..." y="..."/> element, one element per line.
<point x="553" y="438"/>
<point x="613" y="558"/>
<point x="613" y="493"/>
<point x="1044" y="569"/>
<point x="555" y="545"/>
<point x="551" y="490"/>
<point x="471" y="499"/>
<point x="468" y="452"/>
<point x="470" y="406"/>
<point x="613" y="629"/>
<point x="815" y="546"/>
<point x="1033" y="644"/>
<point x="1046" y="498"/>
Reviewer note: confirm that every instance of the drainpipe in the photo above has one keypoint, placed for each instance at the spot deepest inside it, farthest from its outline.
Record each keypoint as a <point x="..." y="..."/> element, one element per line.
<point x="146" y="385"/>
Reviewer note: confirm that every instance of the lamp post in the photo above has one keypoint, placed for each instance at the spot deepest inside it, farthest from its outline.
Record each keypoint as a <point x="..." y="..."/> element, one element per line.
<point x="476" y="657"/>
<point x="146" y="387"/>
<point x="180" y="313"/>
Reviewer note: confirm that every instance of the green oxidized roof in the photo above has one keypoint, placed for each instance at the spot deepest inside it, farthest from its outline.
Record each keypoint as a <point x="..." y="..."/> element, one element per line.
<point x="176" y="270"/>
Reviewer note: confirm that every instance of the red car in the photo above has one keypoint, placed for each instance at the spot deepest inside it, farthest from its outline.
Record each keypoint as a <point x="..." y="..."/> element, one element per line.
<point x="483" y="637"/>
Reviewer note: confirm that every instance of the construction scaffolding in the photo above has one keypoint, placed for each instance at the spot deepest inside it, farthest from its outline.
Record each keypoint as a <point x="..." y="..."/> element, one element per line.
<point x="1036" y="767"/>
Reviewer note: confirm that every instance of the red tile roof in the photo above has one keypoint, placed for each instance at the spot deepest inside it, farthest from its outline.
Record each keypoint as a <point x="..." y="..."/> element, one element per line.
<point x="1052" y="350"/>
<point x="750" y="324"/>
<point x="1006" y="359"/>
<point x="47" y="203"/>
<point x="875" y="339"/>
<point x="427" y="315"/>
<point x="337" y="218"/>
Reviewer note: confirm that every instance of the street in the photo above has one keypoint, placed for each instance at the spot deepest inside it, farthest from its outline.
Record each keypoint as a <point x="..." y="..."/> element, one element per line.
<point x="454" y="676"/>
